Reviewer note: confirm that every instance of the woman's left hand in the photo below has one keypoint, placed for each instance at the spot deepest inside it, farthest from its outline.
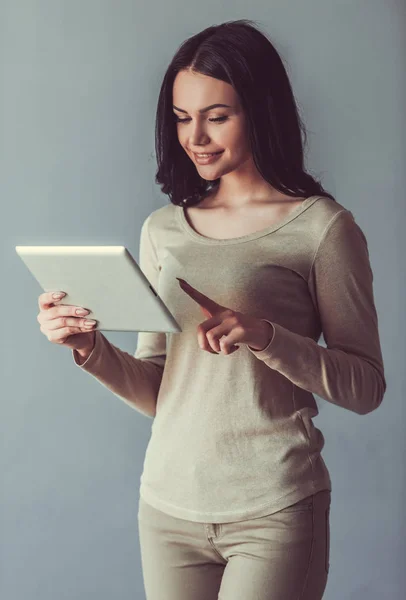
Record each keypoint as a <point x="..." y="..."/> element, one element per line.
<point x="226" y="327"/>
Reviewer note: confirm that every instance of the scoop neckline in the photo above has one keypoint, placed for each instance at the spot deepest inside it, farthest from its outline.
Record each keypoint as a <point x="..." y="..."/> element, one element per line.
<point x="243" y="238"/>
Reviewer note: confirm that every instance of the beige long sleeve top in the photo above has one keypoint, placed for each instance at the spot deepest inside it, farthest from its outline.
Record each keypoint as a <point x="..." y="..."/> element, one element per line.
<point x="232" y="435"/>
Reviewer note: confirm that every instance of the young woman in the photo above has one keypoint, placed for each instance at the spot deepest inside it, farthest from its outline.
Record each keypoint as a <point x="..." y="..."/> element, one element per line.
<point x="235" y="496"/>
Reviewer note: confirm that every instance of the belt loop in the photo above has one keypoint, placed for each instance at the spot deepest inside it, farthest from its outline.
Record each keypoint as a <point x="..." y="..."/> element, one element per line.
<point x="210" y="529"/>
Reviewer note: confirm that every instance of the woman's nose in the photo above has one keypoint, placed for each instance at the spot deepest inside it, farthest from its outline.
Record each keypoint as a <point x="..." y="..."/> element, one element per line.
<point x="198" y="136"/>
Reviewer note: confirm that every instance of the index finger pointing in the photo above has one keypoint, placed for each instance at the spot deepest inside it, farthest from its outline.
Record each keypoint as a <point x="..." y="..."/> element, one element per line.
<point x="200" y="298"/>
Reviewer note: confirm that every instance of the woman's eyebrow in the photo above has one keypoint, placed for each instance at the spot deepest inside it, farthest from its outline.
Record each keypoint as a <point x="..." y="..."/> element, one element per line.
<point x="202" y="110"/>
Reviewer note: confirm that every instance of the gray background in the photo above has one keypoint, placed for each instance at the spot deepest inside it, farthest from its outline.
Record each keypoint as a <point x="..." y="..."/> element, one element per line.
<point x="79" y="83"/>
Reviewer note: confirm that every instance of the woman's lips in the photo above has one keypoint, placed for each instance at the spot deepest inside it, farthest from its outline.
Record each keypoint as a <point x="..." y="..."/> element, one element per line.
<point x="207" y="159"/>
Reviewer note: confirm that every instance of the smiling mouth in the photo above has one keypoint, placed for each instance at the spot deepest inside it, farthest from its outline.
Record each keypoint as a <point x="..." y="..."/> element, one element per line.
<point x="208" y="154"/>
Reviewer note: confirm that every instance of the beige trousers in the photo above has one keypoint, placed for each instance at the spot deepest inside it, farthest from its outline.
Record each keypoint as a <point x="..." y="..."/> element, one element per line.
<point x="282" y="556"/>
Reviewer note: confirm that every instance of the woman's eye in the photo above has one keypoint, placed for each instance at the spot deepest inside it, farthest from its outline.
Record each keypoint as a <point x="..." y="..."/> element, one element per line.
<point x="216" y="120"/>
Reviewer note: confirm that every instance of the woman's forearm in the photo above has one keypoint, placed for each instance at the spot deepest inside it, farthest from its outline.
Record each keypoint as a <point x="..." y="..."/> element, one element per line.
<point x="134" y="380"/>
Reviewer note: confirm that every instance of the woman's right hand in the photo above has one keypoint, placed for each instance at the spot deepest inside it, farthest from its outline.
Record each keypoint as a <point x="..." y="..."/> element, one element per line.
<point x="61" y="324"/>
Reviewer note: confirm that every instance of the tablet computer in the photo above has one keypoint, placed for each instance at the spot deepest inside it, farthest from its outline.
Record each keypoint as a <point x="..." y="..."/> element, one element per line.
<point x="104" y="279"/>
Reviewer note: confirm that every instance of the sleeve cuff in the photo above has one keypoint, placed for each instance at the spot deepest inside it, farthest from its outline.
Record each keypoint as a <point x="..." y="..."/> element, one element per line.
<point x="93" y="356"/>
<point x="268" y="351"/>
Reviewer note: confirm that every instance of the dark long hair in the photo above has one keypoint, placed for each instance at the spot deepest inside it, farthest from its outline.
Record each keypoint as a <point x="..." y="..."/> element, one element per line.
<point x="238" y="53"/>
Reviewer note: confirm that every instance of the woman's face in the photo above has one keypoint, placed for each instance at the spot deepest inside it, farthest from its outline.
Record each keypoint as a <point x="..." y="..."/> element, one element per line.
<point x="219" y="129"/>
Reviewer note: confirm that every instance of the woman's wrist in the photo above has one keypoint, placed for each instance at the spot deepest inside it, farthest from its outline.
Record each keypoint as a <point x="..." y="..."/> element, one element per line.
<point x="86" y="352"/>
<point x="267" y="332"/>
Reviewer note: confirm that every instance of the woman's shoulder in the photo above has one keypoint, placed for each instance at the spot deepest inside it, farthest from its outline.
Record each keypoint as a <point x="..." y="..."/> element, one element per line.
<point x="327" y="206"/>
<point x="324" y="210"/>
